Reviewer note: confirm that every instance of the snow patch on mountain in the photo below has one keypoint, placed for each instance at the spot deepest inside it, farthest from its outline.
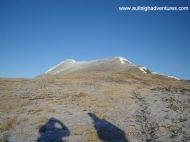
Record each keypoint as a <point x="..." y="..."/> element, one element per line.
<point x="54" y="67"/>
<point x="143" y="69"/>
<point x="123" y="60"/>
<point x="174" y="77"/>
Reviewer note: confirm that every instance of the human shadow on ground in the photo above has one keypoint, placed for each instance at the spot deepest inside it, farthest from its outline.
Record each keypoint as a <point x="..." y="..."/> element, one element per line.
<point x="107" y="131"/>
<point x="53" y="131"/>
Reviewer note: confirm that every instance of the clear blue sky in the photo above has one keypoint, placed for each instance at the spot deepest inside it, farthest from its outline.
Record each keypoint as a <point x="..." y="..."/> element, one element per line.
<point x="37" y="34"/>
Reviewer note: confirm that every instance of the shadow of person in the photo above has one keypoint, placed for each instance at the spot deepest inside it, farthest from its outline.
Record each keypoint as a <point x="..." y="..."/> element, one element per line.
<point x="107" y="131"/>
<point x="53" y="131"/>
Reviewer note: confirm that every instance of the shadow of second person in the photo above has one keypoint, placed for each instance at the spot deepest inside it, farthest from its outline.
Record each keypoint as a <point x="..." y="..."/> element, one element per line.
<point x="53" y="131"/>
<point x="107" y="131"/>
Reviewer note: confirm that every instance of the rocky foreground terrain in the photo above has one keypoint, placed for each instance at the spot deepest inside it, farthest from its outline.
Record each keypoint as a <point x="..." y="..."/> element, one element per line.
<point x="110" y="100"/>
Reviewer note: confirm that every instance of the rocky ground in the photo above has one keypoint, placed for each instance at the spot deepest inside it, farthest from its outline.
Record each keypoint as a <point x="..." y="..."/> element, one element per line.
<point x="95" y="106"/>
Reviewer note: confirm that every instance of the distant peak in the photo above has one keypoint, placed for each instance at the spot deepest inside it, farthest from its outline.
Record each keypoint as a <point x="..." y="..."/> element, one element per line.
<point x="117" y="63"/>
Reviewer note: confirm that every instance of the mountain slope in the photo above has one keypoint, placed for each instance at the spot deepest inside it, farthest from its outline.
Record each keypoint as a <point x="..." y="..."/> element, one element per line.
<point x="94" y="101"/>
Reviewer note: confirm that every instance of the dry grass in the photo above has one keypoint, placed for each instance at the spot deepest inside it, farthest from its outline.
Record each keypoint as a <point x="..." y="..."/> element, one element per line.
<point x="87" y="130"/>
<point x="53" y="95"/>
<point x="8" y="123"/>
<point x="12" y="104"/>
<point x="39" y="120"/>
<point x="129" y="76"/>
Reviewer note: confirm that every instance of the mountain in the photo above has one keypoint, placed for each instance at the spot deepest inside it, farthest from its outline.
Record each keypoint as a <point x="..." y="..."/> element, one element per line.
<point x="114" y="64"/>
<point x="110" y="64"/>
<point x="112" y="100"/>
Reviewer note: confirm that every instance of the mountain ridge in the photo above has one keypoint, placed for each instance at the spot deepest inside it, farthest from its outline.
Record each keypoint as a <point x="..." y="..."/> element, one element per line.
<point x="115" y="64"/>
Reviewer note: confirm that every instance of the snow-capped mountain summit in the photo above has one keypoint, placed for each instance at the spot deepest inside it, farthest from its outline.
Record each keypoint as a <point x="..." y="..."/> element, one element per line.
<point x="113" y="64"/>
<point x="108" y="64"/>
